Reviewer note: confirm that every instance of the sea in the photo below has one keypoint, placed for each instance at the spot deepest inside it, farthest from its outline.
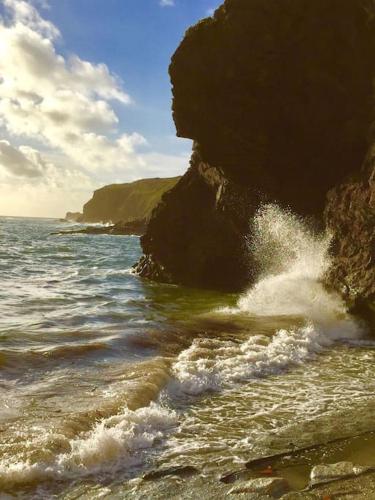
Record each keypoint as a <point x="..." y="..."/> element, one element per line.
<point x="107" y="380"/>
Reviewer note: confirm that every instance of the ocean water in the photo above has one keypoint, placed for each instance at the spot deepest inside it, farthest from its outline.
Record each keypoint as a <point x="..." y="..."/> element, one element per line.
<point x="105" y="376"/>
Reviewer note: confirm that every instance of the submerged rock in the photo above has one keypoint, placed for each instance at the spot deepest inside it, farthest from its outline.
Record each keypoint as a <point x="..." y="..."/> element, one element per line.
<point x="272" y="486"/>
<point x="278" y="98"/>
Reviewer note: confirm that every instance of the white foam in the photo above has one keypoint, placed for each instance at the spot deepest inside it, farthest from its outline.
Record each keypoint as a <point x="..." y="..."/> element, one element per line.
<point x="213" y="365"/>
<point x="121" y="436"/>
<point x="292" y="261"/>
<point x="116" y="442"/>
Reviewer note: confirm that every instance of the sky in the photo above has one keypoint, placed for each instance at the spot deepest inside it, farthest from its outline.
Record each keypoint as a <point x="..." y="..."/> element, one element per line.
<point x="85" y="98"/>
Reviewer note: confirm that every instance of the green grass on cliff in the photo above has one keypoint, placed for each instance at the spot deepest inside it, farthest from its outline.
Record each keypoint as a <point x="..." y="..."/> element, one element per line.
<point x="127" y="202"/>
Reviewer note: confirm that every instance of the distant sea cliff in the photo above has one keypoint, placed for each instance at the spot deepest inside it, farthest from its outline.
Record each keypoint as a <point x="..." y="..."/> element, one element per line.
<point x="125" y="203"/>
<point x="278" y="98"/>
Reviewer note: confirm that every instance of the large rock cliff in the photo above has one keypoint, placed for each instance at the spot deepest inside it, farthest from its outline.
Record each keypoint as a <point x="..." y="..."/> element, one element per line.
<point x="278" y="98"/>
<point x="196" y="235"/>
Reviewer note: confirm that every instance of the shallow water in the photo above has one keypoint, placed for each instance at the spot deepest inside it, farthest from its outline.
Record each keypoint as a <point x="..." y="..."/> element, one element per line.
<point x="105" y="376"/>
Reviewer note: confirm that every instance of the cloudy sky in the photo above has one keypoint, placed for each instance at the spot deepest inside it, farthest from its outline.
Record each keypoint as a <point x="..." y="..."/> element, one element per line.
<point x="85" y="97"/>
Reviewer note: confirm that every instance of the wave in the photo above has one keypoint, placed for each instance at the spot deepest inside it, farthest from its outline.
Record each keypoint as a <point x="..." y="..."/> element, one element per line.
<point x="115" y="443"/>
<point x="119" y="426"/>
<point x="292" y="261"/>
<point x="16" y="359"/>
<point x="211" y="365"/>
<point x="89" y="224"/>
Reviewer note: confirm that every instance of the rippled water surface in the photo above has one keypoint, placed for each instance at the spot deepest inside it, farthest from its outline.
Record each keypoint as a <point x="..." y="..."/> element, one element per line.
<point x="104" y="376"/>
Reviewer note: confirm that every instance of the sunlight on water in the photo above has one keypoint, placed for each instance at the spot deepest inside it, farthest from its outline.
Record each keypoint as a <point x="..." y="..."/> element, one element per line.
<point x="104" y="376"/>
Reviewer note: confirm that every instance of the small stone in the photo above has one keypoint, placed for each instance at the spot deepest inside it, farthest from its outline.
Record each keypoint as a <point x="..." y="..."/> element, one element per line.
<point x="322" y="473"/>
<point x="272" y="486"/>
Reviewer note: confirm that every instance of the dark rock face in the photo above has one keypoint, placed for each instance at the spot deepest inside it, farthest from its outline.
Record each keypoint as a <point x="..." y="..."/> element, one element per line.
<point x="350" y="215"/>
<point x="196" y="235"/>
<point x="277" y="96"/>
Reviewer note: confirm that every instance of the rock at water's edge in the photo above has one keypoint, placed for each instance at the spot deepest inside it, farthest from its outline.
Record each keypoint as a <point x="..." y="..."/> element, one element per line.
<point x="73" y="216"/>
<point x="136" y="228"/>
<point x="350" y="217"/>
<point x="196" y="235"/>
<point x="278" y="98"/>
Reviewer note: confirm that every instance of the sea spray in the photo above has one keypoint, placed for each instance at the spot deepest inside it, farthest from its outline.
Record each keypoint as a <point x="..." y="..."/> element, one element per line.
<point x="292" y="261"/>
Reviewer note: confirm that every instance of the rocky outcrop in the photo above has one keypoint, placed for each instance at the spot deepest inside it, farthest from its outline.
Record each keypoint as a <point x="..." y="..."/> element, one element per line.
<point x="73" y="217"/>
<point x="278" y="97"/>
<point x="126" y="202"/>
<point x="137" y="228"/>
<point x="196" y="235"/>
<point x="350" y="216"/>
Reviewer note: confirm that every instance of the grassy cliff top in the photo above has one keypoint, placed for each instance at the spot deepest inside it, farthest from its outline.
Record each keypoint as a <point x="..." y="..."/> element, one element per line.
<point x="127" y="202"/>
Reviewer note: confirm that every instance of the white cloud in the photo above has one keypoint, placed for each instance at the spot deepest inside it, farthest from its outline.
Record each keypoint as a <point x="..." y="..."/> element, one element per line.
<point x="64" y="103"/>
<point x="32" y="184"/>
<point x="210" y="12"/>
<point x="59" y="189"/>
<point x="62" y="107"/>
<point x="22" y="162"/>
<point x="166" y="3"/>
<point x="23" y="12"/>
<point x="44" y="200"/>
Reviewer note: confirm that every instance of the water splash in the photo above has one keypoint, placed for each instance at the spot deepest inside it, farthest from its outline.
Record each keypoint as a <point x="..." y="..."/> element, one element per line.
<point x="292" y="261"/>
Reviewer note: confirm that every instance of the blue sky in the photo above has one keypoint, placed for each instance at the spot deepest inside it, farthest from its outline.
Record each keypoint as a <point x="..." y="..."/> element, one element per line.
<point x="85" y="97"/>
<point x="136" y="39"/>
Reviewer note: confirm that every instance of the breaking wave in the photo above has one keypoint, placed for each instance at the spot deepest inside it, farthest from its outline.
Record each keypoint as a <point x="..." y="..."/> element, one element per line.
<point x="292" y="261"/>
<point x="114" y="443"/>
